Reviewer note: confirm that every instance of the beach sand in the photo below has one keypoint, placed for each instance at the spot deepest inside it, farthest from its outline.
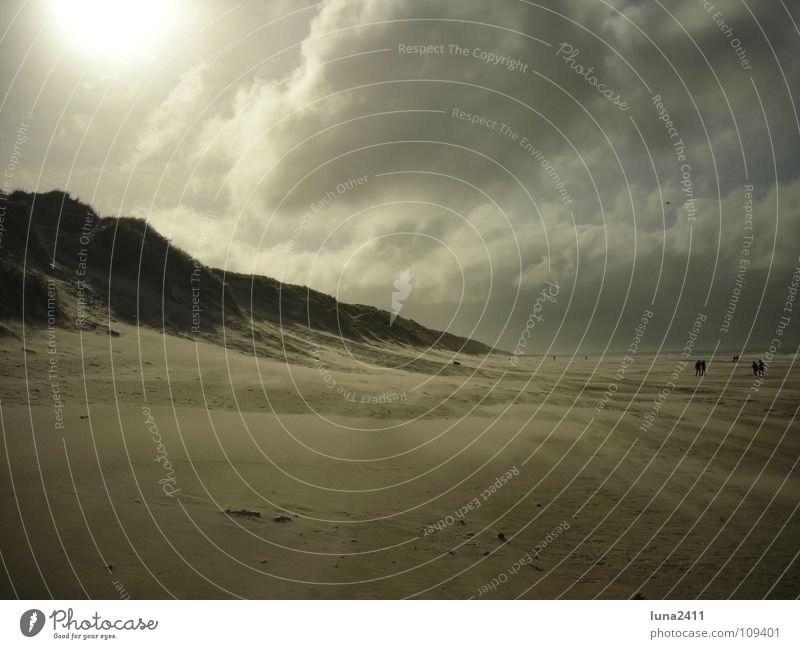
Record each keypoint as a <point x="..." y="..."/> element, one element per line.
<point x="474" y="481"/>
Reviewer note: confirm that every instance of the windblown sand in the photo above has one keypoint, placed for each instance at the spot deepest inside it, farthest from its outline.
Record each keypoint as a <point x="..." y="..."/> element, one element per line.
<point x="344" y="479"/>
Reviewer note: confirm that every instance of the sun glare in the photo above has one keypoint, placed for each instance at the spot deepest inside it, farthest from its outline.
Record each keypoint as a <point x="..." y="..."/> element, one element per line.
<point x="115" y="28"/>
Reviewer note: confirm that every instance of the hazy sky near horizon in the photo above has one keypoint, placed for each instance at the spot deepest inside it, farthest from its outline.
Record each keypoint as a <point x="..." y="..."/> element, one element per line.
<point x="633" y="153"/>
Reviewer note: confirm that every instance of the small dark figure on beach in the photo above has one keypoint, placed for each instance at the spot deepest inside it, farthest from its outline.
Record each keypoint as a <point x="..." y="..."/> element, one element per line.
<point x="761" y="369"/>
<point x="755" y="368"/>
<point x="702" y="368"/>
<point x="697" y="367"/>
<point x="736" y="359"/>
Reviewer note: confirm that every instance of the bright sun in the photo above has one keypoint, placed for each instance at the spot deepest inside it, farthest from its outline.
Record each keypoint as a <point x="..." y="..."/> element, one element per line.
<point x="117" y="28"/>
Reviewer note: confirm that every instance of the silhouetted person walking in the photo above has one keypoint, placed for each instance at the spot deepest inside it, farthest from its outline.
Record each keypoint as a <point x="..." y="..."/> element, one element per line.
<point x="761" y="369"/>
<point x="755" y="368"/>
<point x="702" y="368"/>
<point x="697" y="367"/>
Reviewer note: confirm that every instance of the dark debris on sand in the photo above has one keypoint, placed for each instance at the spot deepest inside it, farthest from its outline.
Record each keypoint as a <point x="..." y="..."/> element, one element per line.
<point x="243" y="512"/>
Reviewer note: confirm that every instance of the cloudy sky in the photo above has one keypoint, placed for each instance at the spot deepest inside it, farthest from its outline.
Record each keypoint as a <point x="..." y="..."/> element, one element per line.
<point x="606" y="147"/>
